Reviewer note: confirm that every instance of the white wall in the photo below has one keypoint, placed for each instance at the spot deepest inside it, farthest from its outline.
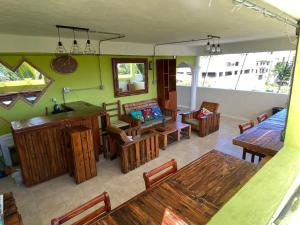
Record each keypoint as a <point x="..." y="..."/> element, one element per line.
<point x="38" y="44"/>
<point x="236" y="104"/>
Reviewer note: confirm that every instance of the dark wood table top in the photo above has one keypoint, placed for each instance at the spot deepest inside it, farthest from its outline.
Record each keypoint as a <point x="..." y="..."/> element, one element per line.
<point x="80" y="109"/>
<point x="170" y="127"/>
<point x="265" y="137"/>
<point x="194" y="193"/>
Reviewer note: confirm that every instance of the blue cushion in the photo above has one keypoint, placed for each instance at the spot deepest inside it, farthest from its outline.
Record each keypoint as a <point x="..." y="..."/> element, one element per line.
<point x="156" y="112"/>
<point x="137" y="115"/>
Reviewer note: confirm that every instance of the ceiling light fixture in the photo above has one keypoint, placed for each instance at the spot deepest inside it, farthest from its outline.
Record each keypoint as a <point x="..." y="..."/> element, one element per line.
<point x="60" y="48"/>
<point x="75" y="49"/>
<point x="215" y="47"/>
<point x="89" y="50"/>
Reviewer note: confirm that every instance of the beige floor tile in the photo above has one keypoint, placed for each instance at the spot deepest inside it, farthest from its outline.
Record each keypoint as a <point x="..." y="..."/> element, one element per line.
<point x="40" y="203"/>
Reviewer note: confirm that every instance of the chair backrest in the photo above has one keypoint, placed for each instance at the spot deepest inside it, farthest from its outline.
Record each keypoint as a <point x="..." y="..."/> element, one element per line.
<point x="147" y="175"/>
<point x="118" y="133"/>
<point x="262" y="117"/>
<point x="104" y="197"/>
<point x="211" y="106"/>
<point x="129" y="107"/>
<point x="113" y="109"/>
<point x="246" y="126"/>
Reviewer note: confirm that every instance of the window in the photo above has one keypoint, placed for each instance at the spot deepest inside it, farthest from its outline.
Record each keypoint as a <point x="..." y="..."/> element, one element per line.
<point x="211" y="74"/>
<point x="261" y="71"/>
<point x="184" y="74"/>
<point x="25" y="82"/>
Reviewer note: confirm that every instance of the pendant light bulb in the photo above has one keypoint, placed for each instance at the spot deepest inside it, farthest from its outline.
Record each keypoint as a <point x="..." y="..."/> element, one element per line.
<point x="208" y="46"/>
<point x="60" y="48"/>
<point x="75" y="49"/>
<point x="89" y="50"/>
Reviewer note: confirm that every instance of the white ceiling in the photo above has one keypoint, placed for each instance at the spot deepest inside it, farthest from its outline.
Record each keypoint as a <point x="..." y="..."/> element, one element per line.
<point x="291" y="7"/>
<point x="142" y="21"/>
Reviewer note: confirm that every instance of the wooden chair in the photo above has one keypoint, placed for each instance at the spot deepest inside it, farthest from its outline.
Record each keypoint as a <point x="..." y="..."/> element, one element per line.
<point x="135" y="151"/>
<point x="262" y="117"/>
<point x="206" y="124"/>
<point x="114" y="110"/>
<point x="147" y="175"/>
<point x="243" y="127"/>
<point x="104" y="197"/>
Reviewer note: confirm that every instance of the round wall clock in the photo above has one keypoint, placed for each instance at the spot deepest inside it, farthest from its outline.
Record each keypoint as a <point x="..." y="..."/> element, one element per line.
<point x="64" y="64"/>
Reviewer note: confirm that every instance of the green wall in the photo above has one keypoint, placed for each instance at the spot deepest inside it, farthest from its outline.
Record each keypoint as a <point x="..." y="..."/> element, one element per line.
<point x="86" y="76"/>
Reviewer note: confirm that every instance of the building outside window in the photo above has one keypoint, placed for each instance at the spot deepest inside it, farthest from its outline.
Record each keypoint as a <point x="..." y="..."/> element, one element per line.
<point x="261" y="71"/>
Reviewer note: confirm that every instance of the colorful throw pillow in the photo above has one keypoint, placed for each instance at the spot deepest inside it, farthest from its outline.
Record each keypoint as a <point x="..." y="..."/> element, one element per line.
<point x="137" y="115"/>
<point x="206" y="111"/>
<point x="199" y="115"/>
<point x="156" y="112"/>
<point x="147" y="114"/>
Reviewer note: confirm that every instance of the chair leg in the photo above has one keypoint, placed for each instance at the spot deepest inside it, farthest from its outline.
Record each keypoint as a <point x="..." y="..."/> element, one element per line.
<point x="244" y="155"/>
<point x="252" y="158"/>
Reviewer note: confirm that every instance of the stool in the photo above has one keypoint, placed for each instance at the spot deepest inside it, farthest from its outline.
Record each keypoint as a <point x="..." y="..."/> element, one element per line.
<point x="82" y="163"/>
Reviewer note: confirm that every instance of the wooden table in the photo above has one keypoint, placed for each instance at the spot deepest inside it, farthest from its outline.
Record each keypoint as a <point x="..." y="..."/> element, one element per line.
<point x="194" y="193"/>
<point x="264" y="138"/>
<point x="174" y="128"/>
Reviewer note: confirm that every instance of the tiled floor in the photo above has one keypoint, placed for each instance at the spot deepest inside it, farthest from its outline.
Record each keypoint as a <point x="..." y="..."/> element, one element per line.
<point x="42" y="202"/>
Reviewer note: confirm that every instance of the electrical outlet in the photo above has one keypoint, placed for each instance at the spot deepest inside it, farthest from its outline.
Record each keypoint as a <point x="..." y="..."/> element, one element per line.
<point x="53" y="100"/>
<point x="66" y="90"/>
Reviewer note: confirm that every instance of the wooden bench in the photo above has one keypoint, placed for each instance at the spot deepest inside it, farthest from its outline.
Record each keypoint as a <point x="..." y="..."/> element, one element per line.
<point x="169" y="114"/>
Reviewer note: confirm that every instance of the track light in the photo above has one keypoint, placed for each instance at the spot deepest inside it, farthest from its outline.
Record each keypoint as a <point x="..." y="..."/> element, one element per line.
<point x="213" y="48"/>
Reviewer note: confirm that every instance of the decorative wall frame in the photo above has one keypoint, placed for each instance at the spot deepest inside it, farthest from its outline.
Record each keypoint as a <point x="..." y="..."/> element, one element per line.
<point x="31" y="97"/>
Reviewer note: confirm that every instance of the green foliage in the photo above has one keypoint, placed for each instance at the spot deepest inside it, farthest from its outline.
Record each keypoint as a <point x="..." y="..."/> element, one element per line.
<point x="23" y="72"/>
<point x="6" y="74"/>
<point x="283" y="72"/>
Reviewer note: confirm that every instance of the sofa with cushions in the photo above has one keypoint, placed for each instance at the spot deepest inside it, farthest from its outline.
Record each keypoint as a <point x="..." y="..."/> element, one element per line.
<point x="146" y="114"/>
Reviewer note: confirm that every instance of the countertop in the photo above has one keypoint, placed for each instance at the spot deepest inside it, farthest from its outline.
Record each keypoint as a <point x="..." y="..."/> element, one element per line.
<point x="79" y="109"/>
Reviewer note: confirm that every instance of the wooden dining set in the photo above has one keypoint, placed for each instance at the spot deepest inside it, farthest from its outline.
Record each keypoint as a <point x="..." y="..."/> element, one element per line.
<point x="194" y="193"/>
<point x="264" y="139"/>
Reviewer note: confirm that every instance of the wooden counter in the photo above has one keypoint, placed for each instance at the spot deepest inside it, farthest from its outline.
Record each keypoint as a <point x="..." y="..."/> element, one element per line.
<point x="41" y="143"/>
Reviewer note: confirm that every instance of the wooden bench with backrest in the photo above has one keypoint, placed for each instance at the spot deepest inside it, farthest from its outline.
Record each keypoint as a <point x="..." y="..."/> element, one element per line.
<point x="262" y="117"/>
<point x="135" y="150"/>
<point x="160" y="173"/>
<point x="89" y="218"/>
<point x="207" y="124"/>
<point x="168" y="114"/>
<point x="244" y="127"/>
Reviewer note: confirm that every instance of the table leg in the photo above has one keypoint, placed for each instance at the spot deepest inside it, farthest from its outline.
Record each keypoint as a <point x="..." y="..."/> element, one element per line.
<point x="189" y="131"/>
<point x="178" y="134"/>
<point x="165" y="141"/>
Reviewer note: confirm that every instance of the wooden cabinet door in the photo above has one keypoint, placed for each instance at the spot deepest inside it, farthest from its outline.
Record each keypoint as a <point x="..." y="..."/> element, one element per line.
<point x="42" y="154"/>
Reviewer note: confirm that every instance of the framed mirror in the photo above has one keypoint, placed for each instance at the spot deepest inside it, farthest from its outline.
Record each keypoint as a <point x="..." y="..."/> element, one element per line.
<point x="23" y="81"/>
<point x="130" y="76"/>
